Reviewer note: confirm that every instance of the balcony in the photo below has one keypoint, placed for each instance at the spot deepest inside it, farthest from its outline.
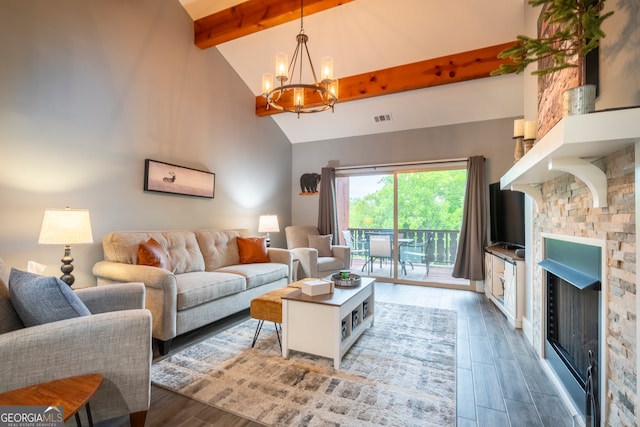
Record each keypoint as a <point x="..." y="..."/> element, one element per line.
<point x="441" y="255"/>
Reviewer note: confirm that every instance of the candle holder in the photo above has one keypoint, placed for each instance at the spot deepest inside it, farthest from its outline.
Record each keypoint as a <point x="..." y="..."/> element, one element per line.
<point x="518" y="151"/>
<point x="528" y="144"/>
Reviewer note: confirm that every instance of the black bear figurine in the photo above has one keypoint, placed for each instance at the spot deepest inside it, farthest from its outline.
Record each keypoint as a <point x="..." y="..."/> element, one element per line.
<point x="309" y="182"/>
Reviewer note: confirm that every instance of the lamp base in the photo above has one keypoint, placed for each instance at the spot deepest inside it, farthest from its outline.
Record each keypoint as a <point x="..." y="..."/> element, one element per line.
<point x="67" y="267"/>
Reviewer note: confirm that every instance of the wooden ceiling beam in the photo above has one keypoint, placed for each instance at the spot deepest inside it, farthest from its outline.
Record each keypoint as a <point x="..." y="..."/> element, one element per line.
<point x="253" y="16"/>
<point x="459" y="67"/>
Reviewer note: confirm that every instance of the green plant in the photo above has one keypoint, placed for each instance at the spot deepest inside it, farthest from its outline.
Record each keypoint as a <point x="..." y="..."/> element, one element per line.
<point x="577" y="31"/>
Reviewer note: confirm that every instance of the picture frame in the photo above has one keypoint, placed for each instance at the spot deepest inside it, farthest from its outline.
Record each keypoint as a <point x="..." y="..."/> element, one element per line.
<point x="164" y="177"/>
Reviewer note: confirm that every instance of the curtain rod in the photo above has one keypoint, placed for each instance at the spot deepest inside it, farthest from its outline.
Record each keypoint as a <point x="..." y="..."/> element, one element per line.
<point x="386" y="165"/>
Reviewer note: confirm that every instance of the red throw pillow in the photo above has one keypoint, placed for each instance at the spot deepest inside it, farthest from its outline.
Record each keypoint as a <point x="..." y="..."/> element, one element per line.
<point x="152" y="253"/>
<point x="252" y="250"/>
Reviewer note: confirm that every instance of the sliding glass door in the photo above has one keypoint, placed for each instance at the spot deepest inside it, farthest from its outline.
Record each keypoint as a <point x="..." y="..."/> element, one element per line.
<point x="402" y="225"/>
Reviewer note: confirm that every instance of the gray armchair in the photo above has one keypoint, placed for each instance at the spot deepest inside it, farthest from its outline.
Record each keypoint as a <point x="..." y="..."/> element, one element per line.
<point x="311" y="263"/>
<point x="114" y="341"/>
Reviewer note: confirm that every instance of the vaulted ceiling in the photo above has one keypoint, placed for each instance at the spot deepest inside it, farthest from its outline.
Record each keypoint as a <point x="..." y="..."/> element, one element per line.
<point x="419" y="63"/>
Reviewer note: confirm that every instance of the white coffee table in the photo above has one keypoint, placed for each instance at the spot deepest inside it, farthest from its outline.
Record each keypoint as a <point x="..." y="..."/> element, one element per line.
<point x="327" y="325"/>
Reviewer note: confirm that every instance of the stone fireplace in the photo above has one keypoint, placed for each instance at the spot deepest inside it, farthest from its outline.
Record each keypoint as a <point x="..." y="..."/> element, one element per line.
<point x="574" y="318"/>
<point x="565" y="210"/>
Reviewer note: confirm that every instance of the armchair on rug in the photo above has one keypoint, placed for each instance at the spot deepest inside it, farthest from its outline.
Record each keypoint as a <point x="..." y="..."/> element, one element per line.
<point x="114" y="339"/>
<point x="316" y="255"/>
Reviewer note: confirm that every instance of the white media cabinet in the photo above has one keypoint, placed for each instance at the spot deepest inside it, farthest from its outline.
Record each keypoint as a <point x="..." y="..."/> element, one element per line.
<point x="504" y="282"/>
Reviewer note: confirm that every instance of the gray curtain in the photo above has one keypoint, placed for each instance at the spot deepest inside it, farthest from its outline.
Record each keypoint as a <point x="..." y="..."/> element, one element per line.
<point x="327" y="213"/>
<point x="473" y="234"/>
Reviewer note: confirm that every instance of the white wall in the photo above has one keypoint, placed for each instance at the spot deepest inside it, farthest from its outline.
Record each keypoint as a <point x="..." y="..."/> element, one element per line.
<point x="88" y="90"/>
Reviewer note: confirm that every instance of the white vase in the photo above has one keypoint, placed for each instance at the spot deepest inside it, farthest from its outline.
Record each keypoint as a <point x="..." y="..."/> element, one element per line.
<point x="579" y="100"/>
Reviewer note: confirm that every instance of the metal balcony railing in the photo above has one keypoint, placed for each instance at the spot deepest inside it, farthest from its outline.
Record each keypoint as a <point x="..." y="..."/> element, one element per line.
<point x="442" y="251"/>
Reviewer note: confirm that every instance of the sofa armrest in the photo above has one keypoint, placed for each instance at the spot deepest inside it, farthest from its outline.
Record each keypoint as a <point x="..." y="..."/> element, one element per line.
<point x="282" y="256"/>
<point x="109" y="272"/>
<point x="308" y="258"/>
<point x="161" y="296"/>
<point x="116" y="345"/>
<point x="123" y="296"/>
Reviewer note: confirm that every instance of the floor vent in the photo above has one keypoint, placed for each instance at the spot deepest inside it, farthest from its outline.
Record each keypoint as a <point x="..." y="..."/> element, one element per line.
<point x="382" y="118"/>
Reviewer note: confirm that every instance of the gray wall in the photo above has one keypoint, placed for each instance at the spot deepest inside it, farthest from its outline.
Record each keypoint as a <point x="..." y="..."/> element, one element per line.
<point x="491" y="139"/>
<point x="88" y="90"/>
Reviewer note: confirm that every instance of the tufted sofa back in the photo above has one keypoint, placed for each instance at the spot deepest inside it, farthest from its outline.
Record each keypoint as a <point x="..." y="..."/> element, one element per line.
<point x="188" y="251"/>
<point x="182" y="247"/>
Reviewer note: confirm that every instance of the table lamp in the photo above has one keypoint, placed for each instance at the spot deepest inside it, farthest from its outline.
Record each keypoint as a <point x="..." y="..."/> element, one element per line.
<point x="66" y="227"/>
<point x="268" y="224"/>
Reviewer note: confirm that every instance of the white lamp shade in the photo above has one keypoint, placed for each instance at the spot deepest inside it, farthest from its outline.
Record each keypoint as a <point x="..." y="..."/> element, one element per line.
<point x="268" y="224"/>
<point x="66" y="227"/>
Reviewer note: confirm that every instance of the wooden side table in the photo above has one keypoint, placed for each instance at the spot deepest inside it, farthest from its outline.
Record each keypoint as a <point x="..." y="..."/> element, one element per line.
<point x="71" y="393"/>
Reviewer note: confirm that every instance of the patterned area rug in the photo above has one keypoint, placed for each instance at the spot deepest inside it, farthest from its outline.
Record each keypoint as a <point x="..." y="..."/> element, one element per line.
<point x="401" y="372"/>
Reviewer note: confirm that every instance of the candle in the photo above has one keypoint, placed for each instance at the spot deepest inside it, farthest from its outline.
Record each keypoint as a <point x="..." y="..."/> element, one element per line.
<point x="518" y="128"/>
<point x="530" y="129"/>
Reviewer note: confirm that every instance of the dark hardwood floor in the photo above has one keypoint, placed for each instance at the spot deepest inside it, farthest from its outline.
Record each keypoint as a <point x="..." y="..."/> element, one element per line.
<point x="500" y="381"/>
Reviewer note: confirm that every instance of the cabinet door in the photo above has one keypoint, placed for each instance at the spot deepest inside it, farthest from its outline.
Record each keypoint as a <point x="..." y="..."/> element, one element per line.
<point x="510" y="288"/>
<point x="488" y="273"/>
<point x="498" y="277"/>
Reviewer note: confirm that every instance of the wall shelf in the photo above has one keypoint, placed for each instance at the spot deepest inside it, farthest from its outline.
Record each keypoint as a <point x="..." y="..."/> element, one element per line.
<point x="570" y="146"/>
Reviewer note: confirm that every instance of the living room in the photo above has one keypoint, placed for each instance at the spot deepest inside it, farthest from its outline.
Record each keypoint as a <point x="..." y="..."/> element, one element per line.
<point x="91" y="89"/>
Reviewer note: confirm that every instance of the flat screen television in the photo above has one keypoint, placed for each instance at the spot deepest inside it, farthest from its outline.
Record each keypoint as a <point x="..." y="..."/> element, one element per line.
<point x="506" y="213"/>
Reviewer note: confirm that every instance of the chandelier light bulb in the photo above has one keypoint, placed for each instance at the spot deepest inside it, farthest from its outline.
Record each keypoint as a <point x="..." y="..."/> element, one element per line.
<point x="298" y="97"/>
<point x="333" y="88"/>
<point x="267" y="83"/>
<point x="327" y="68"/>
<point x="282" y="66"/>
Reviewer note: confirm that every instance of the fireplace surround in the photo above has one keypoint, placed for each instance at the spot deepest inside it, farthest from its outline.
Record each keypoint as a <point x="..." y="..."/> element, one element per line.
<point x="574" y="320"/>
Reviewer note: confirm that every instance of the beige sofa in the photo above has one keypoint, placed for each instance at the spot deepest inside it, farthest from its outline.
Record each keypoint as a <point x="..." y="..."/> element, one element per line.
<point x="207" y="283"/>
<point x="114" y="341"/>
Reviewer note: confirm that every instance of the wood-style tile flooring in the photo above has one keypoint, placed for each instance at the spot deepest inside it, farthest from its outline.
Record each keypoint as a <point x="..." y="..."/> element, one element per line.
<point x="500" y="381"/>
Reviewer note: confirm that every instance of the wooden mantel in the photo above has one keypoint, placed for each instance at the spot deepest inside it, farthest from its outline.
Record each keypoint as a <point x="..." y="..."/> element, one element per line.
<point x="570" y="147"/>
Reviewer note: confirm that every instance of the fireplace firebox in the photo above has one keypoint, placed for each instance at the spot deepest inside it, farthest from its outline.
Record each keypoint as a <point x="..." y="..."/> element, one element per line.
<point x="573" y="317"/>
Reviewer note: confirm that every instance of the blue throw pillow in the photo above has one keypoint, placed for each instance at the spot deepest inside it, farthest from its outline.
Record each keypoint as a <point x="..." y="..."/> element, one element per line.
<point x="39" y="299"/>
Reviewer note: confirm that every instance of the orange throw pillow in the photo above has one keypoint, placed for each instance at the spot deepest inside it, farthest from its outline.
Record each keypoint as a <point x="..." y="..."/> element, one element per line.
<point x="252" y="250"/>
<point x="152" y="253"/>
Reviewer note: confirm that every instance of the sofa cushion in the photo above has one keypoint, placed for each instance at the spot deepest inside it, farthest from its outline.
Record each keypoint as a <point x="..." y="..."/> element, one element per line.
<point x="152" y="253"/>
<point x="182" y="247"/>
<point x="219" y="247"/>
<point x="252" y="249"/>
<point x="200" y="287"/>
<point x="9" y="319"/>
<point x="39" y="299"/>
<point x="321" y="243"/>
<point x="258" y="274"/>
